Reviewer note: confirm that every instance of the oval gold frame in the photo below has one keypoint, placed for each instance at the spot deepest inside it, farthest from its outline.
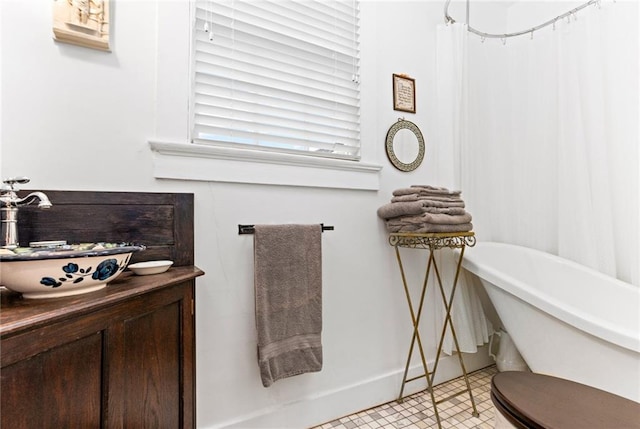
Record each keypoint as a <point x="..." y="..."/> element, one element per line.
<point x="403" y="124"/>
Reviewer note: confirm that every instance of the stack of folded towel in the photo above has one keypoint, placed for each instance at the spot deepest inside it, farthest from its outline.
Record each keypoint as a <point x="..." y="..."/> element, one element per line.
<point x="424" y="209"/>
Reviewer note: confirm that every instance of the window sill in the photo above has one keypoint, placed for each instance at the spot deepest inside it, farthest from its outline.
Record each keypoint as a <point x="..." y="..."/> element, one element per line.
<point x="187" y="161"/>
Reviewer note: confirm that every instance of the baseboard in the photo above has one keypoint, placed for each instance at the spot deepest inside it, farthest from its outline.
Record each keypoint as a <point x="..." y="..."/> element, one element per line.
<point x="325" y="406"/>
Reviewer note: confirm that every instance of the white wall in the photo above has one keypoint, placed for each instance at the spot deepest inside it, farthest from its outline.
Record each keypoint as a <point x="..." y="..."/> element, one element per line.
<point x="79" y="119"/>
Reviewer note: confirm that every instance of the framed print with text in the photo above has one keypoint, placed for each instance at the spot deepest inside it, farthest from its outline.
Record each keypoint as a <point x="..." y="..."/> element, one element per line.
<point x="404" y="93"/>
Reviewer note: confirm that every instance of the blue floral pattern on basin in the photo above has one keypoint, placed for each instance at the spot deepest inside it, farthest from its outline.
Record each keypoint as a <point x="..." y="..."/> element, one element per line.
<point x="74" y="274"/>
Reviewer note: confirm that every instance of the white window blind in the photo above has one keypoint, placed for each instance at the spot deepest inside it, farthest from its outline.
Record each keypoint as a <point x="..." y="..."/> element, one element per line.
<point x="277" y="75"/>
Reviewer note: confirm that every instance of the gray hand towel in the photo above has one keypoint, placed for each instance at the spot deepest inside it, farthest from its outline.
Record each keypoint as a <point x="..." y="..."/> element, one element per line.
<point x="391" y="210"/>
<point x="433" y="190"/>
<point x="420" y="228"/>
<point x="445" y="210"/>
<point x="440" y="198"/>
<point x="426" y="190"/>
<point x="288" y="293"/>
<point x="429" y="202"/>
<point x="404" y="198"/>
<point x="433" y="218"/>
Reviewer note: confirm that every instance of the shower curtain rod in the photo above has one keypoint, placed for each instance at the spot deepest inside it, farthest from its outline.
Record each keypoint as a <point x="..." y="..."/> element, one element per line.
<point x="449" y="20"/>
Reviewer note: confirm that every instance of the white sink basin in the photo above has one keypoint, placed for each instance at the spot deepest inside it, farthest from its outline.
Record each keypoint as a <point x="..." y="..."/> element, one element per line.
<point x="63" y="270"/>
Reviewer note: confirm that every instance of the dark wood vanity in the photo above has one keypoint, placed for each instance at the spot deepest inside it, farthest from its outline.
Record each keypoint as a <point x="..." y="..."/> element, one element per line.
<point x="120" y="357"/>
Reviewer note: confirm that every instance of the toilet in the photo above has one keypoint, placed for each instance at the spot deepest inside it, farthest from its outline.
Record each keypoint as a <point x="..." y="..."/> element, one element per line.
<point x="537" y="401"/>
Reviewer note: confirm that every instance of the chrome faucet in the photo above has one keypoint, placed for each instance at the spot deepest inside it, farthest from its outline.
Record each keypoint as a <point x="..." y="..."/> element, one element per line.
<point x="9" y="203"/>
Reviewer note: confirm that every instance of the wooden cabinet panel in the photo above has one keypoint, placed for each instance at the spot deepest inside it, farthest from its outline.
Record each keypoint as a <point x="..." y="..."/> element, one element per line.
<point x="122" y="357"/>
<point x="59" y="388"/>
<point x="151" y="374"/>
<point x="161" y="221"/>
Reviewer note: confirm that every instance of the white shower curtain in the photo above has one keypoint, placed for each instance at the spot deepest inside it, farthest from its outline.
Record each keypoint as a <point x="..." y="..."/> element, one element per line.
<point x="548" y="135"/>
<point x="471" y="325"/>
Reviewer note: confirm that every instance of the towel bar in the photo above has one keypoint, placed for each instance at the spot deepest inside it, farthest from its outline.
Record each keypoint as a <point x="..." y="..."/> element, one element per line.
<point x="248" y="229"/>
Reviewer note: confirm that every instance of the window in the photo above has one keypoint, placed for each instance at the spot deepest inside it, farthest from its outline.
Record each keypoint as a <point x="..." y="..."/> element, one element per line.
<point x="277" y="75"/>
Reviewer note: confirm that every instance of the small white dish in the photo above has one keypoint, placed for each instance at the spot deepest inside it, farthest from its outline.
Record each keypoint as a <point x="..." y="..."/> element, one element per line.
<point x="150" y="267"/>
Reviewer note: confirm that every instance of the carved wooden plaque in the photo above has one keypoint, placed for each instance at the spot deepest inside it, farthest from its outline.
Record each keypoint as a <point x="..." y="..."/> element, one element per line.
<point x="82" y="22"/>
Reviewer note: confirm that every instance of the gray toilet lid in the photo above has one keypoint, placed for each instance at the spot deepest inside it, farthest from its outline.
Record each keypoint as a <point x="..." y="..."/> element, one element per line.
<point x="537" y="401"/>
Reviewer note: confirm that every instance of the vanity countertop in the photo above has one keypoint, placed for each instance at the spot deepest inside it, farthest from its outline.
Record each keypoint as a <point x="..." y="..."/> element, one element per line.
<point x="18" y="314"/>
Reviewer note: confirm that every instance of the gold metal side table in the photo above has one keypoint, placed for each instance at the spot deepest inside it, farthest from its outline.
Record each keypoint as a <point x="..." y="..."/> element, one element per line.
<point x="433" y="242"/>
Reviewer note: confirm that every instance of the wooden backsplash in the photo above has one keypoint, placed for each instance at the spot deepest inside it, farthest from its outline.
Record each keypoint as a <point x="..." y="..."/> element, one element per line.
<point x="163" y="222"/>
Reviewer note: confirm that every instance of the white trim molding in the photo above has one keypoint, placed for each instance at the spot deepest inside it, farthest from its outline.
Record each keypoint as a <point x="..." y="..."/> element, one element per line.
<point x="189" y="161"/>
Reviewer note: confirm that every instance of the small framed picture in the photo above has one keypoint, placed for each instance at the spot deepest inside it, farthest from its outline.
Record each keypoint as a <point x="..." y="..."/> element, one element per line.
<point x="404" y="93"/>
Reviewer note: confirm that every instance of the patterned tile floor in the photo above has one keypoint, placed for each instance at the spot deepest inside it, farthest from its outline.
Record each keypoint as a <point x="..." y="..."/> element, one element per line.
<point x="416" y="411"/>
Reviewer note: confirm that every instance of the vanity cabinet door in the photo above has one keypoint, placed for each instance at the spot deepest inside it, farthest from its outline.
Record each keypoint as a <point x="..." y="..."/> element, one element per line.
<point x="150" y="364"/>
<point x="59" y="388"/>
<point x="125" y="365"/>
<point x="152" y="370"/>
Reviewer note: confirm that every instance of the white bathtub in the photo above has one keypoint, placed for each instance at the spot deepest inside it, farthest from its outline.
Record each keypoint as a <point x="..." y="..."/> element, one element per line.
<point x="566" y="320"/>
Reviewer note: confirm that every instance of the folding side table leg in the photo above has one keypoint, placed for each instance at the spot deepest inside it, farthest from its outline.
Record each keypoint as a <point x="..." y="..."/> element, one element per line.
<point x="449" y="322"/>
<point x="415" y="319"/>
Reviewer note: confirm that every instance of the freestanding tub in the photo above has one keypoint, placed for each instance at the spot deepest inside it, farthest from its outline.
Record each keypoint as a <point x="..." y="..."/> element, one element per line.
<point x="567" y="320"/>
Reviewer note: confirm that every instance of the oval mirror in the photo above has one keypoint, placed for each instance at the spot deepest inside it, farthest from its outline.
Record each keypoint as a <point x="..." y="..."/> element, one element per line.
<point x="405" y="145"/>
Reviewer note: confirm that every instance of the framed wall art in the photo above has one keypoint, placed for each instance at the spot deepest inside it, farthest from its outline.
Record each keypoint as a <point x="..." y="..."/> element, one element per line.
<point x="404" y="93"/>
<point x="82" y="22"/>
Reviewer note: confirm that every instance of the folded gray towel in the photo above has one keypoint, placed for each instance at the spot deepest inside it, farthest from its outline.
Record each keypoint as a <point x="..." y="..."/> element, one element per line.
<point x="446" y="219"/>
<point x="430" y="202"/>
<point x="445" y="198"/>
<point x="405" y="191"/>
<point x="414" y="208"/>
<point x="426" y="190"/>
<point x="429" y="227"/>
<point x="435" y="190"/>
<point x="445" y="210"/>
<point x="435" y="218"/>
<point x="288" y="299"/>
<point x="404" y="198"/>
<point x="391" y="210"/>
<point x="416" y="197"/>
